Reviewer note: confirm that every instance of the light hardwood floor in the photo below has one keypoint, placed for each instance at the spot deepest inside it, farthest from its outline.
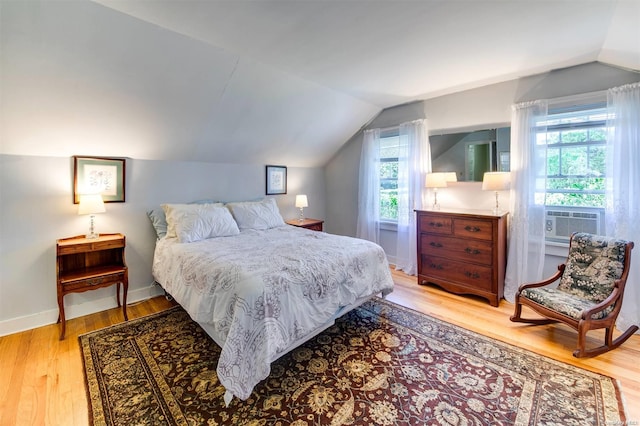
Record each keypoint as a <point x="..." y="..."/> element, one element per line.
<point x="42" y="383"/>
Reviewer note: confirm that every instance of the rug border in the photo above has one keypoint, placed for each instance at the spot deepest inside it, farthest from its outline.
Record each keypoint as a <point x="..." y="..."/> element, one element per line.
<point x="97" y="410"/>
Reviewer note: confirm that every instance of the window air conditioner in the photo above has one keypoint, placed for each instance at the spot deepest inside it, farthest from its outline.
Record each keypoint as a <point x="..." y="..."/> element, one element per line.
<point x="559" y="225"/>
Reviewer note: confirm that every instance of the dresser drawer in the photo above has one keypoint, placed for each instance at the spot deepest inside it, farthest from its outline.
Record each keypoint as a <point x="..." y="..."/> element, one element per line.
<point x="457" y="248"/>
<point x="469" y="275"/>
<point x="436" y="224"/>
<point x="473" y="228"/>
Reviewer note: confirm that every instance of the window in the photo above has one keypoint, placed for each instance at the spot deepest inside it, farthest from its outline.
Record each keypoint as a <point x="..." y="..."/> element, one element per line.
<point x="389" y="150"/>
<point x="575" y="142"/>
<point x="574" y="181"/>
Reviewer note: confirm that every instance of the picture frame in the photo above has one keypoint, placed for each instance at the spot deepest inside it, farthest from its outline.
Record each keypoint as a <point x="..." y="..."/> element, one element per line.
<point x="276" y="177"/>
<point x="104" y="175"/>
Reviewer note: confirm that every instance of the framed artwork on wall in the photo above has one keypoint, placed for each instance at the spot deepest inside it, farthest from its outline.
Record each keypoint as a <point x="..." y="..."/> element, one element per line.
<point x="276" y="180"/>
<point x="104" y="175"/>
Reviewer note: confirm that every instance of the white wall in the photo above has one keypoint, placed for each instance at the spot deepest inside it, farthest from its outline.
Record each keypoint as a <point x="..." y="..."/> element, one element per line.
<point x="37" y="209"/>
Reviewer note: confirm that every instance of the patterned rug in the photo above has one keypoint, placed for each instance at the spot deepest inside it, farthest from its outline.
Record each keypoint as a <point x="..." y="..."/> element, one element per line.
<point x="381" y="364"/>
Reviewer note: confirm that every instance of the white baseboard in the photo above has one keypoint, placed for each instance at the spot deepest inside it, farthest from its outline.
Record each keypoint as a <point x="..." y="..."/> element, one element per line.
<point x="28" y="322"/>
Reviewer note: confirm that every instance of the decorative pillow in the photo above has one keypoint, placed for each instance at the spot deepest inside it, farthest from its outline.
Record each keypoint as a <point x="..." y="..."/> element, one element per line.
<point x="257" y="214"/>
<point x="202" y="222"/>
<point x="171" y="210"/>
<point x="159" y="220"/>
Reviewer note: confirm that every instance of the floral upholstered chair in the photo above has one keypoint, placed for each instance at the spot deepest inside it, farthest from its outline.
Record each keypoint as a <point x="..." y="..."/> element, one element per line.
<point x="589" y="293"/>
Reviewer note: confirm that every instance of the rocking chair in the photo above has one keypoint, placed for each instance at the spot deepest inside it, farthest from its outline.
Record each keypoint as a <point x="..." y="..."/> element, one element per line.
<point x="589" y="294"/>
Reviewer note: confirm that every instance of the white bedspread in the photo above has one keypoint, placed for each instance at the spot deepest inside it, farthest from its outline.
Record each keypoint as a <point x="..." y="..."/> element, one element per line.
<point x="261" y="291"/>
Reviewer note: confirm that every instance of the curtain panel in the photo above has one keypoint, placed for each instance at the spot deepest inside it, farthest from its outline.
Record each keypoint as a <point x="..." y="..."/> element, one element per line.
<point x="526" y="243"/>
<point x="414" y="162"/>
<point x="368" y="227"/>
<point x="623" y="186"/>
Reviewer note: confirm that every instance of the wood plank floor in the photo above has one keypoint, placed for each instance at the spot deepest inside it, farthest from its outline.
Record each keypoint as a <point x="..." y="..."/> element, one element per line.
<point x="42" y="383"/>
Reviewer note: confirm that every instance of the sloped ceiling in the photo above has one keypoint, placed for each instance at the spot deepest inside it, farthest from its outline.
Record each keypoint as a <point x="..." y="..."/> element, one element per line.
<point x="276" y="82"/>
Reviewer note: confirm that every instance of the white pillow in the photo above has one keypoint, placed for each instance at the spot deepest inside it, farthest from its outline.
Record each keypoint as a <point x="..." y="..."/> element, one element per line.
<point x="171" y="210"/>
<point x="257" y="214"/>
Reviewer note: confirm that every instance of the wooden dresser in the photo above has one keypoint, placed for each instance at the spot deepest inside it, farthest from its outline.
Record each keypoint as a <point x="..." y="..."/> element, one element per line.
<point x="463" y="251"/>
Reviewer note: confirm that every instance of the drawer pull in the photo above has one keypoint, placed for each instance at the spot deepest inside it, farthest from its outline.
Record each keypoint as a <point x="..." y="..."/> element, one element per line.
<point x="469" y="250"/>
<point x="94" y="281"/>
<point x="434" y="266"/>
<point x="470" y="228"/>
<point x="434" y="244"/>
<point x="474" y="275"/>
<point x="436" y="224"/>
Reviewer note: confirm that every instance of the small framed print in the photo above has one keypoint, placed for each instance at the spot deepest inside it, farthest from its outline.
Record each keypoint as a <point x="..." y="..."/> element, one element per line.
<point x="104" y="175"/>
<point x="276" y="180"/>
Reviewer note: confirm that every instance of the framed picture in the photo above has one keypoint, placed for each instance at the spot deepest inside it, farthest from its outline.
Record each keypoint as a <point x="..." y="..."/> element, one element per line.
<point x="276" y="180"/>
<point x="102" y="175"/>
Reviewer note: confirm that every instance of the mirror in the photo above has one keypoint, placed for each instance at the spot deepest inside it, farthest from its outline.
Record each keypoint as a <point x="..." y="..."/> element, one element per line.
<point x="470" y="154"/>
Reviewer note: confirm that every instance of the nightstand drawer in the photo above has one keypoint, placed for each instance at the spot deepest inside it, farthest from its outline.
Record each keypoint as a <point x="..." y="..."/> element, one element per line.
<point x="93" y="282"/>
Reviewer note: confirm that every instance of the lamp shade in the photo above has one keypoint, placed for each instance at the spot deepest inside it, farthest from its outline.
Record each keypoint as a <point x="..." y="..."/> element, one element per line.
<point x="450" y="176"/>
<point x="435" y="180"/>
<point x="301" y="201"/>
<point x="91" y="204"/>
<point x="496" y="181"/>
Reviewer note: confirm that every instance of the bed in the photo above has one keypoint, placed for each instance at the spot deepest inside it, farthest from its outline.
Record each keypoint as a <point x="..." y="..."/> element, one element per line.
<point x="258" y="286"/>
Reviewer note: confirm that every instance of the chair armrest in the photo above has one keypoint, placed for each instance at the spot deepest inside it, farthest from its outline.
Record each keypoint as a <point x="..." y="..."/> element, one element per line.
<point x="613" y="297"/>
<point x="548" y="281"/>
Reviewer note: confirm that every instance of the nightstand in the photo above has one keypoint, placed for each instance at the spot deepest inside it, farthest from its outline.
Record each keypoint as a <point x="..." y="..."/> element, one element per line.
<point x="313" y="224"/>
<point x="84" y="264"/>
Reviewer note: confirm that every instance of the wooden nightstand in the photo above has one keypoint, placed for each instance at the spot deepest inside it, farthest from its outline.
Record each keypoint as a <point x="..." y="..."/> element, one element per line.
<point x="313" y="224"/>
<point x="86" y="264"/>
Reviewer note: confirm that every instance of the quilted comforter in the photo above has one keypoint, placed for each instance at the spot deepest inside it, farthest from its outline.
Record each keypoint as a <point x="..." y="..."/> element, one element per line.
<point x="259" y="292"/>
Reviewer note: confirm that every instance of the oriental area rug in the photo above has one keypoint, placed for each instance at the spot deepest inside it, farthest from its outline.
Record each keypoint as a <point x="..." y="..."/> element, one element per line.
<point x="381" y="364"/>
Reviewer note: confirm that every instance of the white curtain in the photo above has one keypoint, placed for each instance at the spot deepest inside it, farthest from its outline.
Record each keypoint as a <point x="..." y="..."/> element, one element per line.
<point x="622" y="211"/>
<point x="368" y="227"/>
<point x="526" y="245"/>
<point x="414" y="161"/>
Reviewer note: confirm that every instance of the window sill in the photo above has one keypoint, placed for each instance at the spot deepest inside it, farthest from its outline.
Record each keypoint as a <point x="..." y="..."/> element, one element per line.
<point x="554" y="248"/>
<point x="388" y="226"/>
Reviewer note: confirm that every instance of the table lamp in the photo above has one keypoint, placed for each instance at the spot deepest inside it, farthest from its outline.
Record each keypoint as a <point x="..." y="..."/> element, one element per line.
<point x="91" y="204"/>
<point x="496" y="181"/>
<point x="435" y="181"/>
<point x="301" y="203"/>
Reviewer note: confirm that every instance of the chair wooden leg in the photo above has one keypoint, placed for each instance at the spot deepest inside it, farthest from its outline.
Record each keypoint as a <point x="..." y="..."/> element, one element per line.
<point x="517" y="316"/>
<point x="609" y="344"/>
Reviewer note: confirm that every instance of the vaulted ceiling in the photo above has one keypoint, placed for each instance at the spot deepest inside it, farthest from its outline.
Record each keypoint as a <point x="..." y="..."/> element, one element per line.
<point x="284" y="82"/>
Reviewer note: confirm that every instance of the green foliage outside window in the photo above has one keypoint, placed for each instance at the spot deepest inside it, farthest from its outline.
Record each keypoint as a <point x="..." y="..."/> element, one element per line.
<point x="389" y="178"/>
<point x="575" y="164"/>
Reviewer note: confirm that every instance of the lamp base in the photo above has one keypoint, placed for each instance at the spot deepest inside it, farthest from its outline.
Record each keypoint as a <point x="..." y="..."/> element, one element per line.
<point x="92" y="234"/>
<point x="301" y="216"/>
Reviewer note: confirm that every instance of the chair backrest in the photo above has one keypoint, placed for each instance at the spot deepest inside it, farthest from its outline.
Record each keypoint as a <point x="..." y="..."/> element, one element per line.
<point x="593" y="264"/>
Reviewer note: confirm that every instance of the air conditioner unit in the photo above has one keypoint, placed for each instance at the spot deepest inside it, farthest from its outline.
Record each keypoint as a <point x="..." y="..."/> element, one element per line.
<point x="559" y="225"/>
